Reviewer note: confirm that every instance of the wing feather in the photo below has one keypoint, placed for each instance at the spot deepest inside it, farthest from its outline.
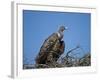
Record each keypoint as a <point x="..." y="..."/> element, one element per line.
<point x="46" y="48"/>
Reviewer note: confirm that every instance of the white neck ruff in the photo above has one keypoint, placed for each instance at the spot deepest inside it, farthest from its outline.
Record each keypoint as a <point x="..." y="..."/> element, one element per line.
<point x="59" y="35"/>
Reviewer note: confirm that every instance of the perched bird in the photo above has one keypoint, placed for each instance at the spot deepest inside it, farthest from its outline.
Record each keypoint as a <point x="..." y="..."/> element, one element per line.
<point x="52" y="48"/>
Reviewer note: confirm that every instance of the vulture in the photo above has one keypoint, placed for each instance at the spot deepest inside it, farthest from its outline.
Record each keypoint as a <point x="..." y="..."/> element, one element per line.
<point x="52" y="48"/>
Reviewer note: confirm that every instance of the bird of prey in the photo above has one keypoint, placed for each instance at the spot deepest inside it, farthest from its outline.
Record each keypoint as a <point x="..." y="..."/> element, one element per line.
<point x="52" y="48"/>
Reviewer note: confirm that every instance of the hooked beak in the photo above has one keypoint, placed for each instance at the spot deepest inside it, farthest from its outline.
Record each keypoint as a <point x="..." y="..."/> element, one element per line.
<point x="66" y="28"/>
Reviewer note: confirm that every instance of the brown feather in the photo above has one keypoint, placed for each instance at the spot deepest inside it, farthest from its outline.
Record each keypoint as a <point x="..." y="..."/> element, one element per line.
<point x="51" y="50"/>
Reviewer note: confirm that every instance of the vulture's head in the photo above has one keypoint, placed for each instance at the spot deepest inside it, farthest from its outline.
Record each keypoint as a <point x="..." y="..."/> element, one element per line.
<point x="62" y="28"/>
<point x="60" y="31"/>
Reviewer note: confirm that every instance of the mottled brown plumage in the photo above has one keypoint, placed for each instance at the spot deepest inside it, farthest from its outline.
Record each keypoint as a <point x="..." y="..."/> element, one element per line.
<point x="52" y="48"/>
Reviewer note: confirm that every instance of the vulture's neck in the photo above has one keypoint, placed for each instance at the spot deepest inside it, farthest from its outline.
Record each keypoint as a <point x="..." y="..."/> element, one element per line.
<point x="60" y="34"/>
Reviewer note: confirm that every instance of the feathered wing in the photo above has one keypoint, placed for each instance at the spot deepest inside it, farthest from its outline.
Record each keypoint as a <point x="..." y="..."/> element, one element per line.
<point x="46" y="48"/>
<point x="57" y="51"/>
